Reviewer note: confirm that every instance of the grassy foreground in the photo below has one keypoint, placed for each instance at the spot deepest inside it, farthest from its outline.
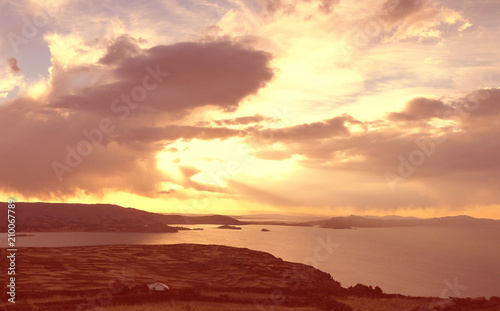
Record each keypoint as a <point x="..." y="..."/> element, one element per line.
<point x="201" y="277"/>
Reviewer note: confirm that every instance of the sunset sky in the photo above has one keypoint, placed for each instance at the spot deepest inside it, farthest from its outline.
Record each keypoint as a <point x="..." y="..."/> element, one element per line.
<point x="322" y="107"/>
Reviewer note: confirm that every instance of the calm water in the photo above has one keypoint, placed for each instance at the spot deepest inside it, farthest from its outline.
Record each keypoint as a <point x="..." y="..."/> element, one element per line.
<point x="426" y="261"/>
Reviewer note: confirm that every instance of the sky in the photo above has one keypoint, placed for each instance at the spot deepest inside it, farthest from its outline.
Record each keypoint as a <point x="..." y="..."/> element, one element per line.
<point x="306" y="107"/>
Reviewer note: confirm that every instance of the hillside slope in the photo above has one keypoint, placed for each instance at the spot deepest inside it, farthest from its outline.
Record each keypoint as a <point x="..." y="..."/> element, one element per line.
<point x="42" y="217"/>
<point x="364" y="222"/>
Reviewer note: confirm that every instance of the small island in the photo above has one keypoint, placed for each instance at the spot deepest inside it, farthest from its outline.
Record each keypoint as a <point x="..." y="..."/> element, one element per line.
<point x="185" y="228"/>
<point x="265" y="230"/>
<point x="229" y="227"/>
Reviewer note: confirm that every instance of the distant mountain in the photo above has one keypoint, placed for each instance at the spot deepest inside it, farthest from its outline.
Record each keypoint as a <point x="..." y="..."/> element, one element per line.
<point x="392" y="221"/>
<point x="40" y="217"/>
<point x="44" y="217"/>
<point x="277" y="217"/>
<point x="390" y="217"/>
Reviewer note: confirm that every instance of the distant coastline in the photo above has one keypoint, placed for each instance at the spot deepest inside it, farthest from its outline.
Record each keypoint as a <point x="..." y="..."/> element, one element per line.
<point x="69" y="217"/>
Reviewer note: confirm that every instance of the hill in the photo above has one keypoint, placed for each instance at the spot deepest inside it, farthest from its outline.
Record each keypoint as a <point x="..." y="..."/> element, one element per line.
<point x="68" y="278"/>
<point x="43" y="217"/>
<point x="200" y="277"/>
<point x="365" y="222"/>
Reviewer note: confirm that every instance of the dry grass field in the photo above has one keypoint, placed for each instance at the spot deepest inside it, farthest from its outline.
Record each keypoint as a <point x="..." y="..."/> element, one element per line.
<point x="204" y="306"/>
<point x="201" y="277"/>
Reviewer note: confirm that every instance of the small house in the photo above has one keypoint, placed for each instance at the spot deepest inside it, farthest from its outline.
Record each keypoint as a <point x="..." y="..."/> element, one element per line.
<point x="158" y="287"/>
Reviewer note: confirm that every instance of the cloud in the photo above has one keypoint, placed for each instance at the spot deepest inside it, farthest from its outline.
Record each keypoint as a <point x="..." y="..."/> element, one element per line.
<point x="402" y="20"/>
<point x="402" y="9"/>
<point x="317" y="113"/>
<point x="478" y="106"/>
<point x="238" y="121"/>
<point x="306" y="132"/>
<point x="421" y="108"/>
<point x="82" y="144"/>
<point x="13" y="65"/>
<point x="10" y="79"/>
<point x="450" y="164"/>
<point x="147" y="134"/>
<point x="222" y="73"/>
<point x="169" y="191"/>
<point x="122" y="48"/>
<point x="423" y="19"/>
<point x="272" y="7"/>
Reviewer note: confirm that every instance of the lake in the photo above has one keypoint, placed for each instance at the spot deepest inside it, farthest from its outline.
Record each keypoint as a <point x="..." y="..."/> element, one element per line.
<point x="419" y="261"/>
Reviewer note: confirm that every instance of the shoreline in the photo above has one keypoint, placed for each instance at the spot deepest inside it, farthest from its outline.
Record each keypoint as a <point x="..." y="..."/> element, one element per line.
<point x="389" y="281"/>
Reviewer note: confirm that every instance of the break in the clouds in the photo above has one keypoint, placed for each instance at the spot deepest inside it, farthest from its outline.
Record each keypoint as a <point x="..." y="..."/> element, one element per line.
<point x="441" y="153"/>
<point x="322" y="105"/>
